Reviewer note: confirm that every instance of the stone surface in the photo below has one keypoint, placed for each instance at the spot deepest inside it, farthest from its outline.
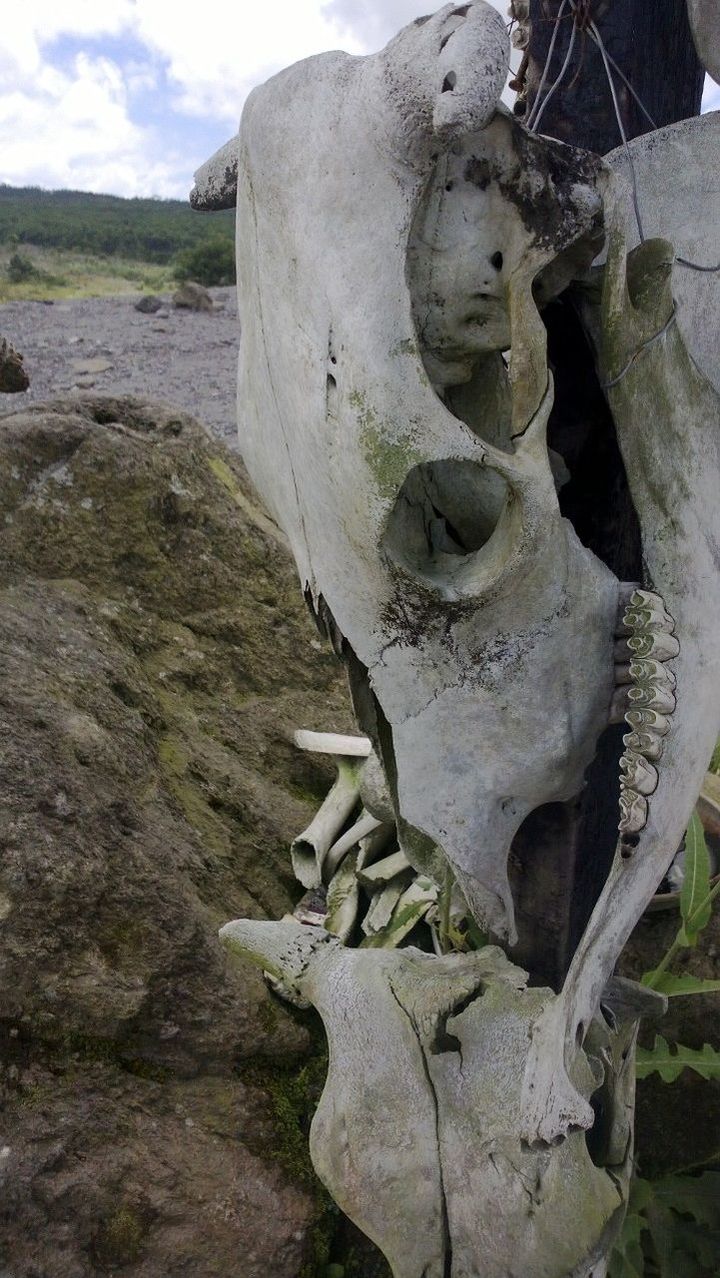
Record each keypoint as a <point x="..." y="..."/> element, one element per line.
<point x="148" y="304"/>
<point x="13" y="377"/>
<point x="190" y="360"/>
<point x="90" y="366"/>
<point x="155" y="663"/>
<point x="192" y="297"/>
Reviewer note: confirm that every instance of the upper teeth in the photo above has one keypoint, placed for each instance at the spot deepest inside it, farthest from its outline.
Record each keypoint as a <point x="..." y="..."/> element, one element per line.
<point x="651" y="642"/>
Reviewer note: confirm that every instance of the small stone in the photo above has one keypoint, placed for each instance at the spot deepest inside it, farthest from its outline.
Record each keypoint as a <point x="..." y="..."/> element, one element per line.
<point x="148" y="304"/>
<point x="90" y="365"/>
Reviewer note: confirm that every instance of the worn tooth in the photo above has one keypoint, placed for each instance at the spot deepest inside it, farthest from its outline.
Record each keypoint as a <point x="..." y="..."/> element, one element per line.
<point x="642" y="717"/>
<point x="622" y="674"/>
<point x="648" y="744"/>
<point x="633" y="812"/>
<point x="639" y="774"/>
<point x="658" y="644"/>
<point x="650" y="671"/>
<point x="641" y="598"/>
<point x="651" y="619"/>
<point x="651" y="697"/>
<point x="626" y="590"/>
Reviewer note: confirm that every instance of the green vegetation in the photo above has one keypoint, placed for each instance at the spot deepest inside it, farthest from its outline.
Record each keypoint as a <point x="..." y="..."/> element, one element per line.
<point x="57" y="244"/>
<point x="212" y="263"/>
<point x="59" y="273"/>
<point x="672" y="1227"/>
<point x="139" y="229"/>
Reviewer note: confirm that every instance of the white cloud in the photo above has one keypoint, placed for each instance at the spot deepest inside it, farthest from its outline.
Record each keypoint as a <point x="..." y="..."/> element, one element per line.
<point x="80" y="122"/>
<point x="73" y="129"/>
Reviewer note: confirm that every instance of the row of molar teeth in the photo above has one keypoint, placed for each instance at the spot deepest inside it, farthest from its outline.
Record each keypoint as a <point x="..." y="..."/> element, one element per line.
<point x="649" y="642"/>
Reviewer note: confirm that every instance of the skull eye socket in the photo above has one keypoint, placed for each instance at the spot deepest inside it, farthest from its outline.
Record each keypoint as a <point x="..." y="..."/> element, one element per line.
<point x="445" y="514"/>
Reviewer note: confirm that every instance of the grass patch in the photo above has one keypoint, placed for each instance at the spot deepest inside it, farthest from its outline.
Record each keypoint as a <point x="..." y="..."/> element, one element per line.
<point x="66" y="273"/>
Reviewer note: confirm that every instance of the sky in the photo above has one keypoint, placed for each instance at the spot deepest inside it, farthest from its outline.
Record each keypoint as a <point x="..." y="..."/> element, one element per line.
<point x="129" y="97"/>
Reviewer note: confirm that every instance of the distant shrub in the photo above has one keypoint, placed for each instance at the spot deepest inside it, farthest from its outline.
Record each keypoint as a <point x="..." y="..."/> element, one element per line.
<point x="20" y="268"/>
<point x="211" y="263"/>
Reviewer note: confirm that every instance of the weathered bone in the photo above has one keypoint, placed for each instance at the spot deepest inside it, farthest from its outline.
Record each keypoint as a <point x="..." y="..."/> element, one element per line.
<point x="216" y="180"/>
<point x="396" y="235"/>
<point x="310" y="849"/>
<point x="705" y="23"/>
<point x="432" y="635"/>
<point x="425" y="1156"/>
<point x="669" y="469"/>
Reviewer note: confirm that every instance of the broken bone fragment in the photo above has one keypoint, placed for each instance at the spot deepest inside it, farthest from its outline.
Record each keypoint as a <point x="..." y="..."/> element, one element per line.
<point x="425" y="1155"/>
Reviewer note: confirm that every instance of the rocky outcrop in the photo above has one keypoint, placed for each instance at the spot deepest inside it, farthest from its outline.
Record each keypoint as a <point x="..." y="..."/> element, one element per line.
<point x="13" y="377"/>
<point x="192" y="297"/>
<point x="155" y="659"/>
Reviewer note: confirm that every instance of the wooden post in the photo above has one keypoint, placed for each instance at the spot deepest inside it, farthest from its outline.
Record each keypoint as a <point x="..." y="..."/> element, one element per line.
<point x="651" y="43"/>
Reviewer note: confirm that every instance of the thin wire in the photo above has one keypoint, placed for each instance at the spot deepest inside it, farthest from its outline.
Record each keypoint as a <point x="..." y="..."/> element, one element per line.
<point x="627" y="84"/>
<point x="539" y="105"/>
<point x="682" y="261"/>
<point x="650" y="342"/>
<point x="621" y="126"/>
<point x="546" y="68"/>
<point x="693" y="266"/>
<point x="538" y="116"/>
<point x="622" y="75"/>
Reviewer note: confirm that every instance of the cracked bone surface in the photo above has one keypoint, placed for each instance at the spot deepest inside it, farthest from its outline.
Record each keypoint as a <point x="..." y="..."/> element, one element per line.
<point x="416" y="1133"/>
<point x="392" y="225"/>
<point x="398" y="234"/>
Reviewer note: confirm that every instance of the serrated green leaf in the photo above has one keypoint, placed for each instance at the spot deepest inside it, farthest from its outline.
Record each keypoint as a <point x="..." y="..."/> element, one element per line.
<point x="669" y="1063"/>
<point x="675" y="986"/>
<point x="664" y="1237"/>
<point x="696" y="1196"/>
<point x="695" y="907"/>
<point x="627" y="1259"/>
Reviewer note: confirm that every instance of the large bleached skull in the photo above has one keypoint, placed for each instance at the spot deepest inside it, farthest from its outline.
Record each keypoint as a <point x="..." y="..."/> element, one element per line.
<point x="391" y="227"/>
<point x="399" y="235"/>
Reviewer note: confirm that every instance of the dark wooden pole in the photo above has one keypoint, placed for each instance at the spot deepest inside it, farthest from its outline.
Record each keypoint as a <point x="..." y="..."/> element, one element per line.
<point x="650" y="41"/>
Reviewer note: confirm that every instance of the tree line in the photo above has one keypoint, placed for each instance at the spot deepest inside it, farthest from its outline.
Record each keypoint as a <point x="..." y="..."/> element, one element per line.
<point x="143" y="229"/>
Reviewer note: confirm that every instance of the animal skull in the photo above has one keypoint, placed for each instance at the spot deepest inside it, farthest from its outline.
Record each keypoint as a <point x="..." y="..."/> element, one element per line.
<point x="398" y="233"/>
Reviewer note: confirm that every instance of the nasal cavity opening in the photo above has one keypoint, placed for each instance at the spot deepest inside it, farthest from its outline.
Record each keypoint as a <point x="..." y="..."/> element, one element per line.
<point x="446" y="510"/>
<point x="449" y="82"/>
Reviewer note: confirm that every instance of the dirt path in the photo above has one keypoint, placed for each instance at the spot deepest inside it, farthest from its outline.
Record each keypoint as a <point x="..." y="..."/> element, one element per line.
<point x="185" y="358"/>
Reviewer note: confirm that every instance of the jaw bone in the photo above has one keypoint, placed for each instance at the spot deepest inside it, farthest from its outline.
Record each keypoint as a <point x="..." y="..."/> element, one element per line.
<point x="668" y="420"/>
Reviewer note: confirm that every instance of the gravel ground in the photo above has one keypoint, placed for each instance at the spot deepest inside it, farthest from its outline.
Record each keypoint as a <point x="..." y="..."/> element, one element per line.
<point x="185" y="358"/>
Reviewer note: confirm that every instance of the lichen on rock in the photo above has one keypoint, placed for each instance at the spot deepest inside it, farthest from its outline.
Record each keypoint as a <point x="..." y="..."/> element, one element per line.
<point x="155" y="660"/>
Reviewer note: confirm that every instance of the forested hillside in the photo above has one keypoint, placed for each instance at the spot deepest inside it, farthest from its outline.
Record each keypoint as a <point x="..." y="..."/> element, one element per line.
<point x="146" y="230"/>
